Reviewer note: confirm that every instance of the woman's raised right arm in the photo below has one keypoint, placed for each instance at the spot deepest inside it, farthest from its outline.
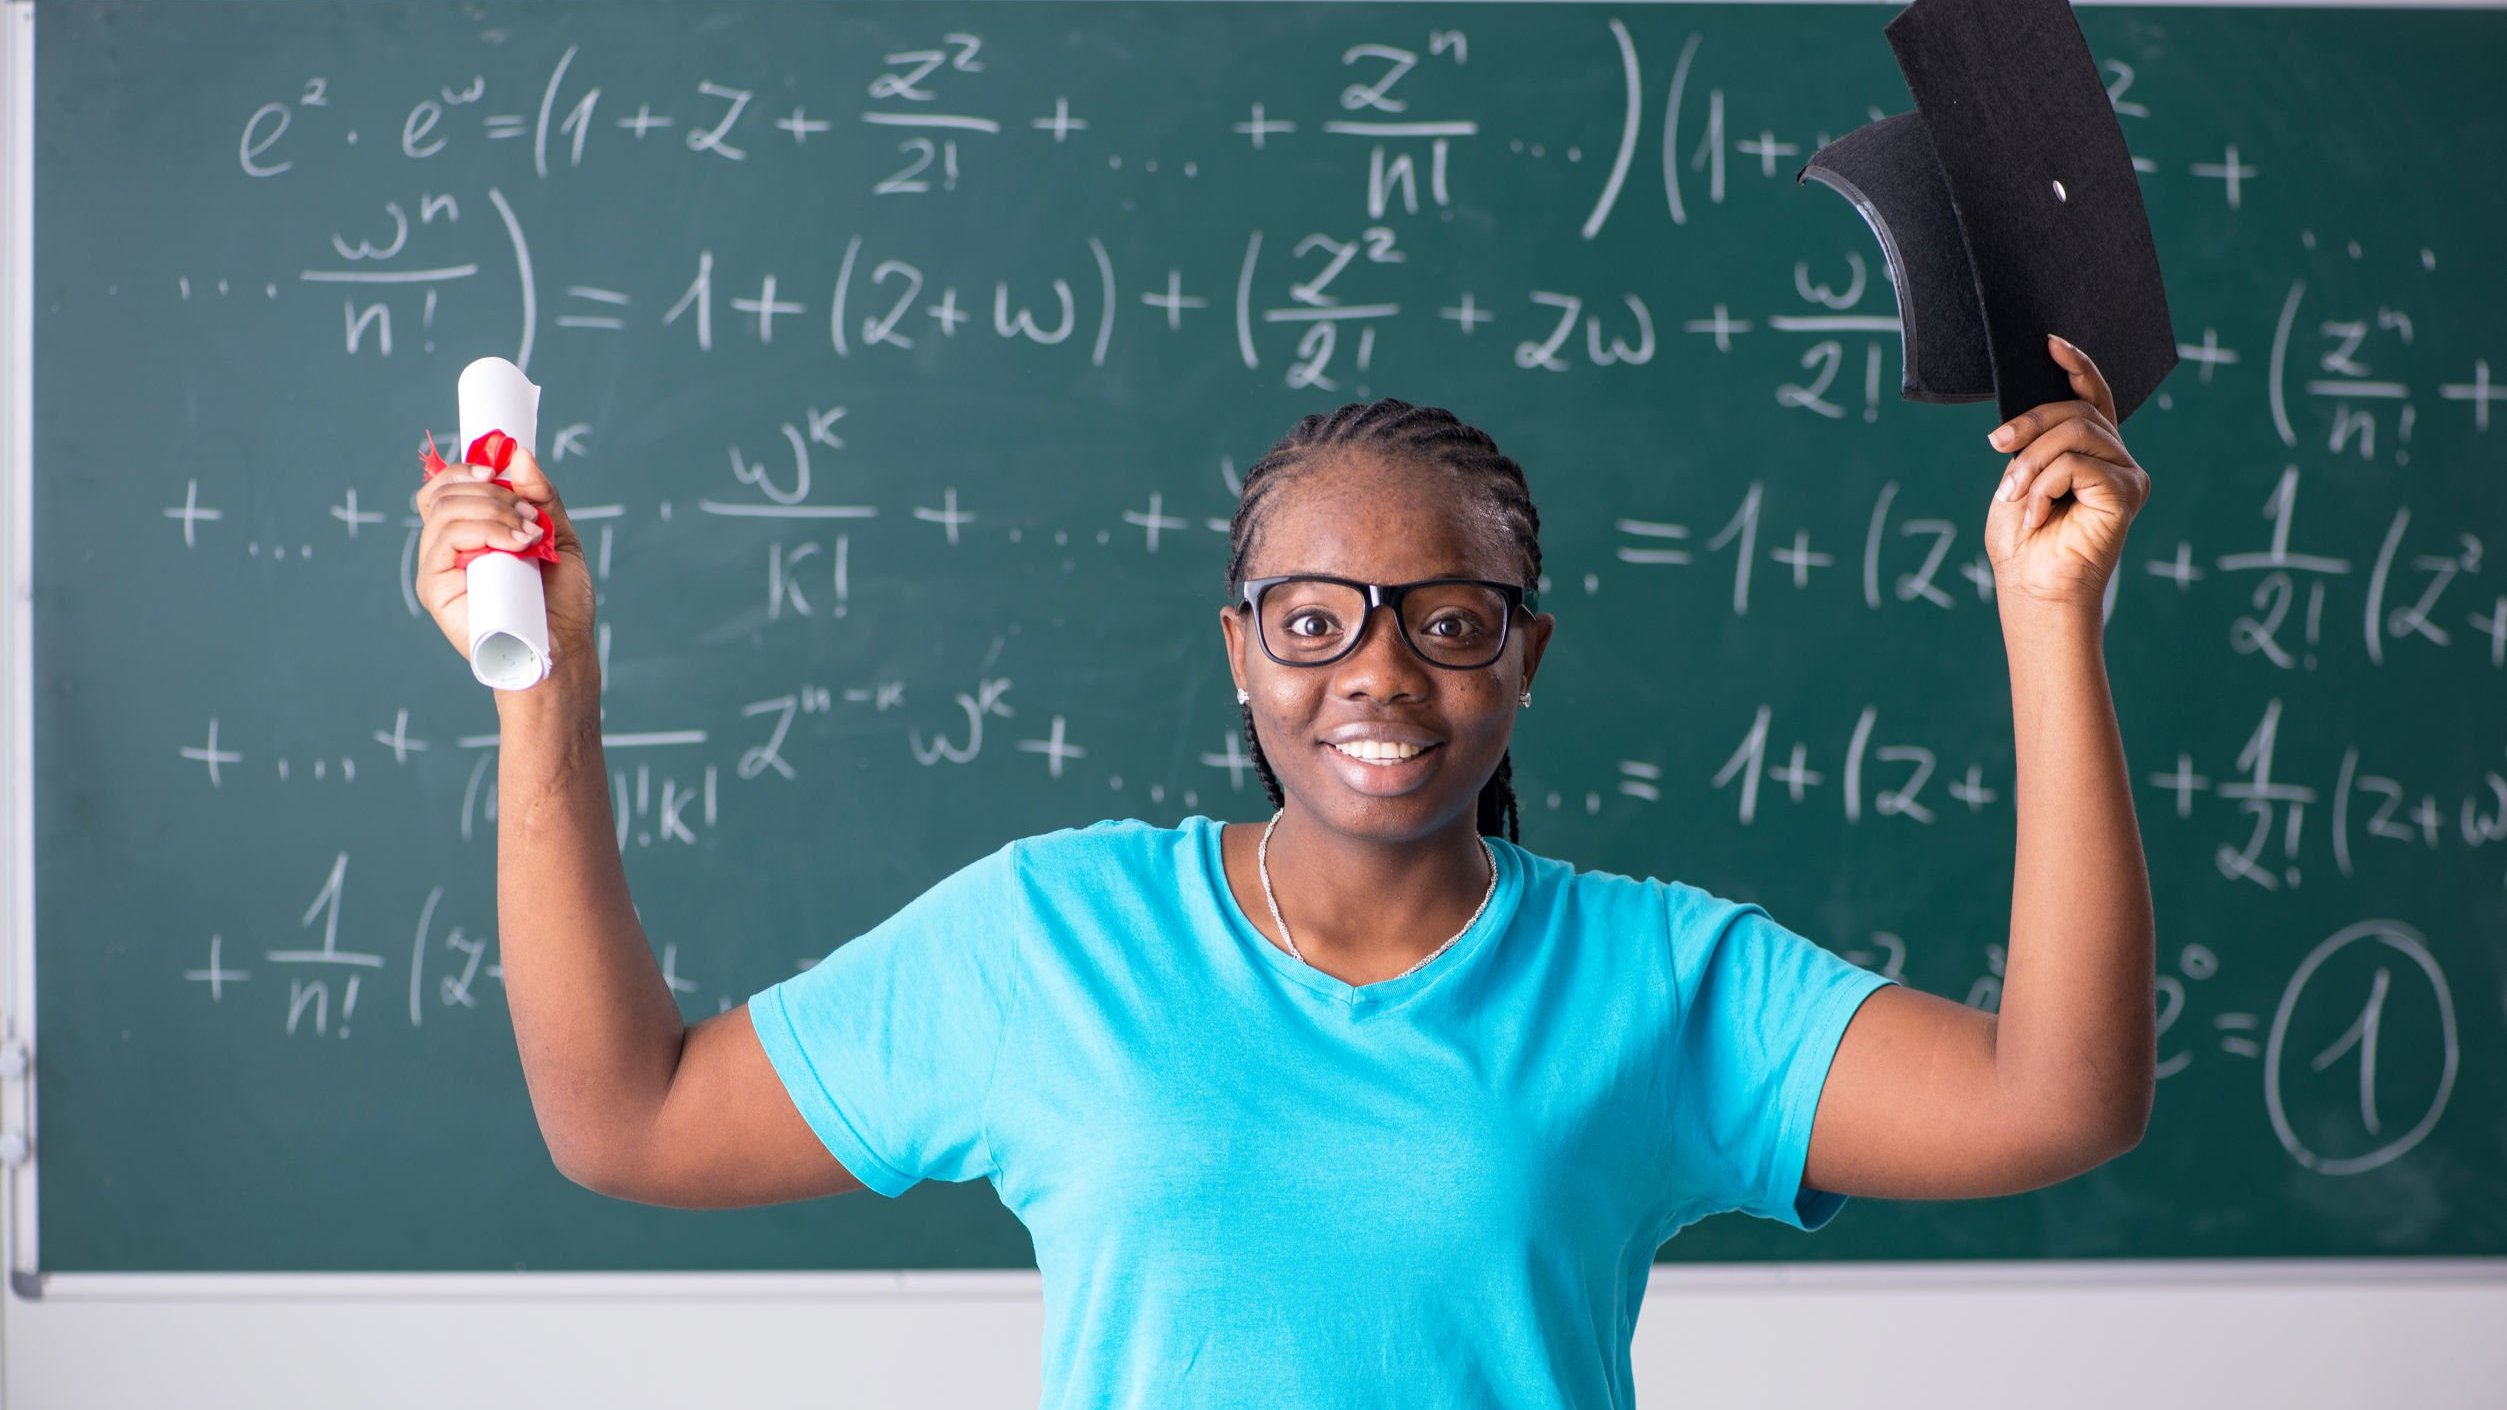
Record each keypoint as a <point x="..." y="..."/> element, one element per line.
<point x="631" y="1101"/>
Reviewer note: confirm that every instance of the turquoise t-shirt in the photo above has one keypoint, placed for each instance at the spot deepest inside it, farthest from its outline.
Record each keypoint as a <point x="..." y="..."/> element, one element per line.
<point x="1253" y="1184"/>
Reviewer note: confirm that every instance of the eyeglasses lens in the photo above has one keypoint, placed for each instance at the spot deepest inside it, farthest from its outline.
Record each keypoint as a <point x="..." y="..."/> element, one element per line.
<point x="1460" y="625"/>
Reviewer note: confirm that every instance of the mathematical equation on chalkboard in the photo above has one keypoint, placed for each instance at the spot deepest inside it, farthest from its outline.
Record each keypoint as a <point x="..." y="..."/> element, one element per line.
<point x="2335" y="358"/>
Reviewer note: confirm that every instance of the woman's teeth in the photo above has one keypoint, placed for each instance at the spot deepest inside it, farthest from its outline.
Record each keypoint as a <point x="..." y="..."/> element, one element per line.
<point x="1376" y="751"/>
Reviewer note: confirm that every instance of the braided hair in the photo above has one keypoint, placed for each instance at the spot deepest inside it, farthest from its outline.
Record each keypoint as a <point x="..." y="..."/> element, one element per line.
<point x="1426" y="435"/>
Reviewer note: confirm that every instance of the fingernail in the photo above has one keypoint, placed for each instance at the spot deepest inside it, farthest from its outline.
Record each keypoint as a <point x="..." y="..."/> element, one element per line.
<point x="481" y="472"/>
<point x="2003" y="490"/>
<point x="2001" y="437"/>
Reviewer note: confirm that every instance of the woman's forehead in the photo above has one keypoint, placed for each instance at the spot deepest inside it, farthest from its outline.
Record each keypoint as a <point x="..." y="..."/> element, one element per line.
<point x="1384" y="520"/>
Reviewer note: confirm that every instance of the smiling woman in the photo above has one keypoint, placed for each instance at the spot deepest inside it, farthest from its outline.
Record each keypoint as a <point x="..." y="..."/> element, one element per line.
<point x="1366" y="1104"/>
<point x="1385" y="482"/>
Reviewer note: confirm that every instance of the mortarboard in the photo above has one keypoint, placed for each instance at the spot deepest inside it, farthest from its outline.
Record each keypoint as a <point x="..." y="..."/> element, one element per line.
<point x="2007" y="207"/>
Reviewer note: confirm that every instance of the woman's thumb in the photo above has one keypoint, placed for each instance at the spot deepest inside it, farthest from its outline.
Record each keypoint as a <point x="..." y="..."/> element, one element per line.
<point x="529" y="481"/>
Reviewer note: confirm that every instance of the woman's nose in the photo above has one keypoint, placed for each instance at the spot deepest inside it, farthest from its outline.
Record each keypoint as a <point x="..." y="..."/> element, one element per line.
<point x="1382" y="665"/>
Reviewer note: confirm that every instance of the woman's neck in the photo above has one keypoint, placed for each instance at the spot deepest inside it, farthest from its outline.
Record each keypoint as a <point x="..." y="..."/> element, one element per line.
<point x="1371" y="906"/>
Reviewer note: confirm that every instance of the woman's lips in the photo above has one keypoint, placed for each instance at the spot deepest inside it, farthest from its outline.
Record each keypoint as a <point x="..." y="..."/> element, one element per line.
<point x="1385" y="776"/>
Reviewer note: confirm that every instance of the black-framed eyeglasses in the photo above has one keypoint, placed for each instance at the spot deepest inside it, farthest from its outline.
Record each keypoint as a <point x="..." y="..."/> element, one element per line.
<point x="1313" y="619"/>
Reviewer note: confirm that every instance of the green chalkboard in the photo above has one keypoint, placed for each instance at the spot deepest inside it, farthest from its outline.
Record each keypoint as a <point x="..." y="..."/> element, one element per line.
<point x="897" y="359"/>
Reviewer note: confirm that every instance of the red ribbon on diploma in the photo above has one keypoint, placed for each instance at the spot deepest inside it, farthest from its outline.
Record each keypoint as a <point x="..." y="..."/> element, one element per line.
<point x="496" y="451"/>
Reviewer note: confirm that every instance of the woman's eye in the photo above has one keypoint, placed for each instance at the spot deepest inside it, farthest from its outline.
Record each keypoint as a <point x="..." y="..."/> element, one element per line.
<point x="1454" y="627"/>
<point x="1309" y="624"/>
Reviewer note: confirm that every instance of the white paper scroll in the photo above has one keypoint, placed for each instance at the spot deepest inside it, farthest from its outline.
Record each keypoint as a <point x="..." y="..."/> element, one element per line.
<point x="508" y="611"/>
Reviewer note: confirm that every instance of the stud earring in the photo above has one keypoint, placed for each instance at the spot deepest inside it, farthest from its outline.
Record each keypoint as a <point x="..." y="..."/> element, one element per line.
<point x="1525" y="700"/>
<point x="1242" y="698"/>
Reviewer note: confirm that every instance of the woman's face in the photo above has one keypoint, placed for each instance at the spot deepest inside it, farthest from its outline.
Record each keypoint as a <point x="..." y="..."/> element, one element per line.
<point x="1356" y="514"/>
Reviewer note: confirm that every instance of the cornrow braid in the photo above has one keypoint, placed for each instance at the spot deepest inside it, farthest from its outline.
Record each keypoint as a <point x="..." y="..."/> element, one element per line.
<point x="1262" y="766"/>
<point x="1426" y="434"/>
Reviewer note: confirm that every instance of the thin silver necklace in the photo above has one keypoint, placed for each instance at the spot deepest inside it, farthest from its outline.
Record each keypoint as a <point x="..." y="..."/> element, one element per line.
<point x="1262" y="865"/>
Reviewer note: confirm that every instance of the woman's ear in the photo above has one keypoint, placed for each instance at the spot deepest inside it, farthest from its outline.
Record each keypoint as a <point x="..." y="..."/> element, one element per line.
<point x="1232" y="629"/>
<point x="1535" y="642"/>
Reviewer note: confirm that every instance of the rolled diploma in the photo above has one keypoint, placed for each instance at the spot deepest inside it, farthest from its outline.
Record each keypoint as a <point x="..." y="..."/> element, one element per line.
<point x="508" y="610"/>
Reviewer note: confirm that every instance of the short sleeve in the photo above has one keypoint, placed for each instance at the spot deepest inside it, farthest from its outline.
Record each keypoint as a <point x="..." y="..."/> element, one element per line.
<point x="888" y="1044"/>
<point x="1762" y="1011"/>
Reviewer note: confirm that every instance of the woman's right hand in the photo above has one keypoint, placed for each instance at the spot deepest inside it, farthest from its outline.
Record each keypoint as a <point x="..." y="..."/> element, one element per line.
<point x="462" y="509"/>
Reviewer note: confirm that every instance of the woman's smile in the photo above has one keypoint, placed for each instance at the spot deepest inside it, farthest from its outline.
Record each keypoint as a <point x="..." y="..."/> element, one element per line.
<point x="1382" y="768"/>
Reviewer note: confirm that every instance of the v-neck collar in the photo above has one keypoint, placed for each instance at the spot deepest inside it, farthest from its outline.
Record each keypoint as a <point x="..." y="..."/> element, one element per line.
<point x="1358" y="999"/>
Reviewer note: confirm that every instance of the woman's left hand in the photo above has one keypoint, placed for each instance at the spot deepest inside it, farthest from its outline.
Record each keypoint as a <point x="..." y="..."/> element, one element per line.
<point x="2055" y="528"/>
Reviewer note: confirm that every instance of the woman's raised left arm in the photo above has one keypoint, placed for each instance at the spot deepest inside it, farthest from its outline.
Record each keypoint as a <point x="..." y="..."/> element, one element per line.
<point x="1927" y="1098"/>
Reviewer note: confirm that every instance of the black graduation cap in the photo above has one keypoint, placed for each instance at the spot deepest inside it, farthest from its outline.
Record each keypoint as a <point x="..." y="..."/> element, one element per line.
<point x="2008" y="209"/>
